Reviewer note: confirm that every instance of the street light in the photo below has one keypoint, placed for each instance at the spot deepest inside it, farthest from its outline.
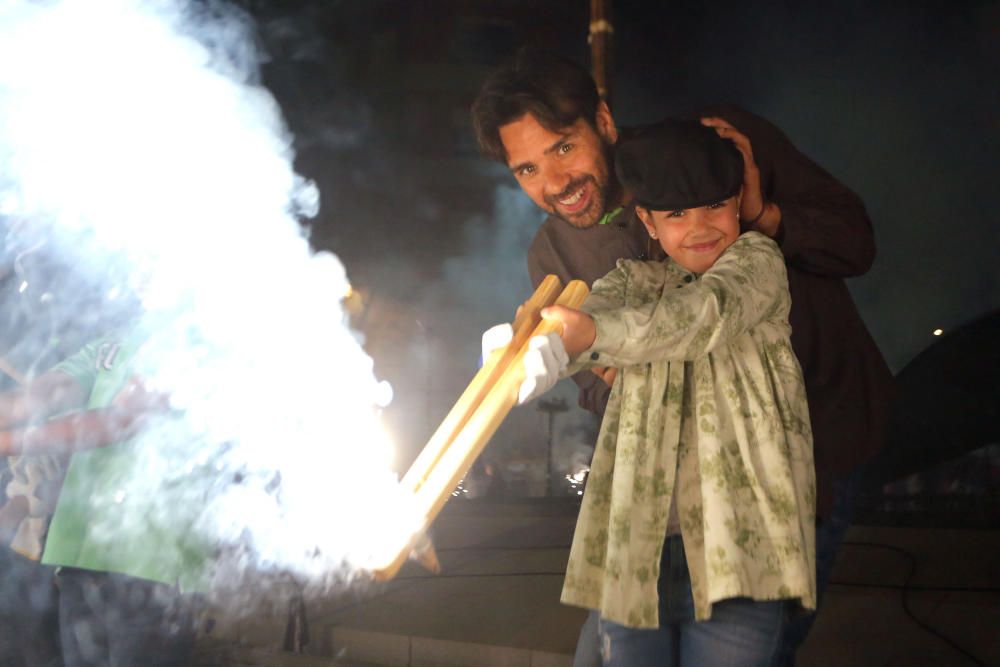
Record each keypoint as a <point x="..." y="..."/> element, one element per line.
<point x="551" y="406"/>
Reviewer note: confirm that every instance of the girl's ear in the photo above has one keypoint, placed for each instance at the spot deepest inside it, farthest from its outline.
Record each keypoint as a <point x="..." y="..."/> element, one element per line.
<point x="647" y="220"/>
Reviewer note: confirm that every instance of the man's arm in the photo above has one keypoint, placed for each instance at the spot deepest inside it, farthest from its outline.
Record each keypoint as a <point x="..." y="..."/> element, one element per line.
<point x="70" y="433"/>
<point x="594" y="391"/>
<point x="124" y="418"/>
<point x="51" y="393"/>
<point x="821" y="225"/>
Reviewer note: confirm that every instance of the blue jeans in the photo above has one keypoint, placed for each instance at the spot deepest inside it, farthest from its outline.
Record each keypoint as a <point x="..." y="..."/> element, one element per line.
<point x="830" y="533"/>
<point x="741" y="633"/>
<point x="588" y="646"/>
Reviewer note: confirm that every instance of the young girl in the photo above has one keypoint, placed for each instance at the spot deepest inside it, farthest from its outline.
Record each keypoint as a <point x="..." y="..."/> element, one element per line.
<point x="695" y="537"/>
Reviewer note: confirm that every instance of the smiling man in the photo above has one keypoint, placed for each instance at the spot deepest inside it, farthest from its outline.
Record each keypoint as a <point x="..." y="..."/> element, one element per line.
<point x="541" y="115"/>
<point x="564" y="171"/>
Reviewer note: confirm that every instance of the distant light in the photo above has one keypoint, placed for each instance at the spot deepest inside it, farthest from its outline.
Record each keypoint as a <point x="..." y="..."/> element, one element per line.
<point x="24" y="286"/>
<point x="383" y="394"/>
<point x="938" y="332"/>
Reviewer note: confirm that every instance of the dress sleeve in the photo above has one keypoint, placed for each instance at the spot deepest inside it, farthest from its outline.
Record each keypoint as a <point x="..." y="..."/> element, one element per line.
<point x="747" y="285"/>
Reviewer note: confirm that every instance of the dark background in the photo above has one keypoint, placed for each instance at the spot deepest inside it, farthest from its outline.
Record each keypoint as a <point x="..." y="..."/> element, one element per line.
<point x="898" y="100"/>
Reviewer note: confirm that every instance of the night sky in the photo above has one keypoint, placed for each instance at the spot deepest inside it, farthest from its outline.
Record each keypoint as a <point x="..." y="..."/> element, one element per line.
<point x="898" y="101"/>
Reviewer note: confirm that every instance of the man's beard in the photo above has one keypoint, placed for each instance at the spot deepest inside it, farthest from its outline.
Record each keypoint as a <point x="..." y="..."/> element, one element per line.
<point x="603" y="195"/>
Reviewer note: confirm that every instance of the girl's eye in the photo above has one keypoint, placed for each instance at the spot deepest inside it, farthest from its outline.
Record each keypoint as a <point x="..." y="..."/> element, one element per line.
<point x="717" y="205"/>
<point x="676" y="214"/>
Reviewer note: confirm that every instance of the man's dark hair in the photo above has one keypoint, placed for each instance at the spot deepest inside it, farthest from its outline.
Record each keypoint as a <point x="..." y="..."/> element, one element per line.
<point x="556" y="91"/>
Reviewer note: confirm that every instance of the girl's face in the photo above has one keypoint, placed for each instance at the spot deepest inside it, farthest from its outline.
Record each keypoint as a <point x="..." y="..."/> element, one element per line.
<point x="695" y="237"/>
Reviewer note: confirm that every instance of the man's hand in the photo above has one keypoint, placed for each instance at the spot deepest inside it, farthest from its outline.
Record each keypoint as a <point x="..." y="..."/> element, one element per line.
<point x="606" y="373"/>
<point x="496" y="337"/>
<point x="137" y="399"/>
<point x="544" y="360"/>
<point x="578" y="328"/>
<point x="752" y="205"/>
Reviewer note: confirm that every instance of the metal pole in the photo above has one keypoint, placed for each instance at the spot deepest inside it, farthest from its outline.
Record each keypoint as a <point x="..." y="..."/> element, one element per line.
<point x="600" y="40"/>
<point x="551" y="406"/>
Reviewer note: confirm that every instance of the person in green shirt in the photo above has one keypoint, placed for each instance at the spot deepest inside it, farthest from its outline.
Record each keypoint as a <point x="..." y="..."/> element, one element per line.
<point x="124" y="572"/>
<point x="696" y="534"/>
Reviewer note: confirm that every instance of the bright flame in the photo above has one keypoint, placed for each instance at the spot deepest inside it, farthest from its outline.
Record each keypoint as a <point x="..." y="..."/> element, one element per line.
<point x="136" y="131"/>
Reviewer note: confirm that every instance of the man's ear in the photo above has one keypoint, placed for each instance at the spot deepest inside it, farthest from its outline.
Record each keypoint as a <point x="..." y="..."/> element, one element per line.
<point x="605" y="123"/>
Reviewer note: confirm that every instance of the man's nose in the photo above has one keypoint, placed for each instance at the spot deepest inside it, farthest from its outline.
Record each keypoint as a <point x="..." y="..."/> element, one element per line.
<point x="557" y="181"/>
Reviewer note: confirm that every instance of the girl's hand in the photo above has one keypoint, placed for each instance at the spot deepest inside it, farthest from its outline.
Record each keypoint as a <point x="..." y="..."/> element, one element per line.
<point x="578" y="328"/>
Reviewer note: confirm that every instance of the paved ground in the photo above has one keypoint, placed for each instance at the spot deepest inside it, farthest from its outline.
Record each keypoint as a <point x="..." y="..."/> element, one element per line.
<point x="496" y="603"/>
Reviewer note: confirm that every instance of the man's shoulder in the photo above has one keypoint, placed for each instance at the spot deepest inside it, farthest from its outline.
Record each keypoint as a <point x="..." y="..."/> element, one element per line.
<point x="557" y="235"/>
<point x="545" y="231"/>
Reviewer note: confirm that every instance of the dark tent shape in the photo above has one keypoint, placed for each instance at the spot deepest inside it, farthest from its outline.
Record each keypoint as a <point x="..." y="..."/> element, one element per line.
<point x="947" y="402"/>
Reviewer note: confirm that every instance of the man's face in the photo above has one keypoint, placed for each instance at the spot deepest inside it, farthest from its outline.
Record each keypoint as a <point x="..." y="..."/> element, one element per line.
<point x="566" y="172"/>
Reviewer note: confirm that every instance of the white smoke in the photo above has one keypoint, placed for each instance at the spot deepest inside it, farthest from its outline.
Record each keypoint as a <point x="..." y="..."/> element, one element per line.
<point x="135" y="139"/>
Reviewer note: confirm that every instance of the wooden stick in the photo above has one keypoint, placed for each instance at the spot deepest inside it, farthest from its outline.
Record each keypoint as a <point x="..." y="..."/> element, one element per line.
<point x="455" y="459"/>
<point x="524" y="323"/>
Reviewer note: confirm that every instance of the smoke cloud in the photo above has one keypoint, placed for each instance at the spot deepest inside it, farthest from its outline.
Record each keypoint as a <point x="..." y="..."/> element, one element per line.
<point x="138" y="148"/>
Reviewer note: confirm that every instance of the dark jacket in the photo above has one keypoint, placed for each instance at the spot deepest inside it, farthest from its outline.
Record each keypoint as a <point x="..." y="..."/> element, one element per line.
<point x="826" y="236"/>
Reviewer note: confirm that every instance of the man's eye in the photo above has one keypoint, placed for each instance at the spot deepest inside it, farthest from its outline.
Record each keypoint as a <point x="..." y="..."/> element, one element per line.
<point x="565" y="148"/>
<point x="526" y="170"/>
<point x="676" y="214"/>
<point x="717" y="205"/>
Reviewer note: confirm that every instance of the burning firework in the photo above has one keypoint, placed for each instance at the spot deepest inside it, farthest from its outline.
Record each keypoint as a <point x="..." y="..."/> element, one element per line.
<point x="137" y="145"/>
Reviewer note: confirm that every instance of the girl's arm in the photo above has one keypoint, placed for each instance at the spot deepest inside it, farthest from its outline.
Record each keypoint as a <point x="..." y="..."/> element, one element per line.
<point x="747" y="285"/>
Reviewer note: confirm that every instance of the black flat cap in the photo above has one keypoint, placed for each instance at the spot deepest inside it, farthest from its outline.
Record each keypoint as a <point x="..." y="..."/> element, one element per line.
<point x="678" y="164"/>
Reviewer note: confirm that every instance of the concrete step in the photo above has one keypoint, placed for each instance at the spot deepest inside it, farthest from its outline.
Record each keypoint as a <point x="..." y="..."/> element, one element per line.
<point x="348" y="647"/>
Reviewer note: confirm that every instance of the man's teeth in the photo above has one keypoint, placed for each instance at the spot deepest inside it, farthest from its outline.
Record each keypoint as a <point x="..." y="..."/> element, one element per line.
<point x="572" y="199"/>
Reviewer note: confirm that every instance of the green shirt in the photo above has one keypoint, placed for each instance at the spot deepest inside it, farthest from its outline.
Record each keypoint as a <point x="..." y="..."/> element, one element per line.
<point x="709" y="397"/>
<point x="114" y="513"/>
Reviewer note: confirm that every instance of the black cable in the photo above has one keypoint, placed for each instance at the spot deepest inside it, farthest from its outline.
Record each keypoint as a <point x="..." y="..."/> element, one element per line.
<point x="905" y="589"/>
<point x="481" y="548"/>
<point x="917" y="589"/>
<point x="472" y="575"/>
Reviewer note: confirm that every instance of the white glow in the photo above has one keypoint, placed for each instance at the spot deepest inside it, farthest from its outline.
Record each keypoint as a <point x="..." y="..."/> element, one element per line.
<point x="119" y="127"/>
<point x="938" y="332"/>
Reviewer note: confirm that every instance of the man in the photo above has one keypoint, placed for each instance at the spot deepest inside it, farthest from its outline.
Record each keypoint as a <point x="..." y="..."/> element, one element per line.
<point x="542" y="117"/>
<point x="122" y="570"/>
